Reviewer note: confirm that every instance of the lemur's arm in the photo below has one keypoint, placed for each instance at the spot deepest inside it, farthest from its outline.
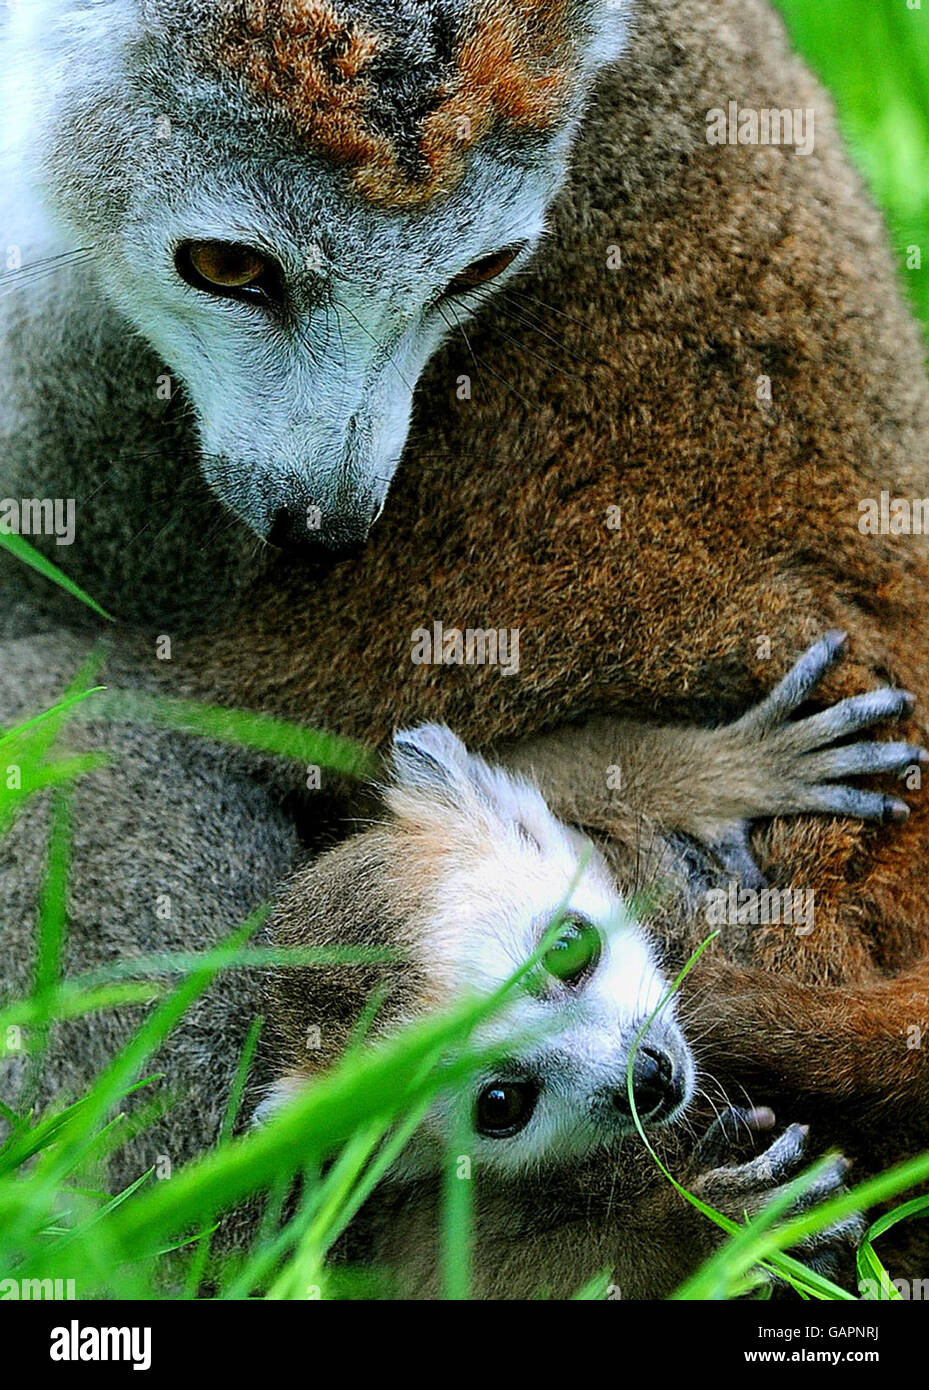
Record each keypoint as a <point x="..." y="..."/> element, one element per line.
<point x="850" y="1047"/>
<point x="613" y="775"/>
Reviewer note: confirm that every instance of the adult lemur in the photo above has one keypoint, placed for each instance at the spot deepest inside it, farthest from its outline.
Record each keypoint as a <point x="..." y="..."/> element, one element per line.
<point x="648" y="456"/>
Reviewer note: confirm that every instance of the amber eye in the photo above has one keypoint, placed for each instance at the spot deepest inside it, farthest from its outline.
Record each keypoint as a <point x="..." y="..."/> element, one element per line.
<point x="229" y="269"/>
<point x="504" y="1108"/>
<point x="483" y="271"/>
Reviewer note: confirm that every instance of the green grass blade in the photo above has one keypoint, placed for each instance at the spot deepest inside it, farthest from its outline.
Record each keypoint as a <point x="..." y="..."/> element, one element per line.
<point x="23" y="551"/>
<point x="260" y="732"/>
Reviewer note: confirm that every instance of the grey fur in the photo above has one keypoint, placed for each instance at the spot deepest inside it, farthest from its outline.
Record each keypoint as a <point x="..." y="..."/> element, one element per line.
<point x="136" y="824"/>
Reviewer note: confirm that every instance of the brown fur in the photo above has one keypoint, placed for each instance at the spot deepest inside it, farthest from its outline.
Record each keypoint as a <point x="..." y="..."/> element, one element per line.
<point x="565" y="1229"/>
<point x="362" y="871"/>
<point x="637" y="388"/>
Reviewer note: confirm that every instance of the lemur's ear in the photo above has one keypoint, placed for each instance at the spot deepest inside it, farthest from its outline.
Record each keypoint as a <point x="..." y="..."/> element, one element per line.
<point x="433" y="764"/>
<point x="607" y="24"/>
<point x="431" y="759"/>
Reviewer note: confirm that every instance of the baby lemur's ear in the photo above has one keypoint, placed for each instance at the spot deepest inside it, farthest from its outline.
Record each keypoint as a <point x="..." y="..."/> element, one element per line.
<point x="431" y="764"/>
<point x="430" y="759"/>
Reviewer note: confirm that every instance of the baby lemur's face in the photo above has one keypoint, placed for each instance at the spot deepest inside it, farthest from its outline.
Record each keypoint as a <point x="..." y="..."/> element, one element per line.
<point x="483" y="869"/>
<point x="296" y="200"/>
<point x="502" y="874"/>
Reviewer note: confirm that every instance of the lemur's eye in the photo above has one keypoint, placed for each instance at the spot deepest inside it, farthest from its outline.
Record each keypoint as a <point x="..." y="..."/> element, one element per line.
<point x="576" y="953"/>
<point x="228" y="269"/>
<point x="504" y="1108"/>
<point x="483" y="271"/>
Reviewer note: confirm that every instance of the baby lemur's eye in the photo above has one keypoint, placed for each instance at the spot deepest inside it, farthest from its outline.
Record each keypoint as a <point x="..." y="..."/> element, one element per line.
<point x="481" y="272"/>
<point x="576" y="953"/>
<point x="504" y="1108"/>
<point x="229" y="269"/>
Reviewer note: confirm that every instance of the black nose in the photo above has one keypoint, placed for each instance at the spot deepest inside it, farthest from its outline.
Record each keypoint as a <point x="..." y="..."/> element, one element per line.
<point x="656" y="1087"/>
<point x="304" y="532"/>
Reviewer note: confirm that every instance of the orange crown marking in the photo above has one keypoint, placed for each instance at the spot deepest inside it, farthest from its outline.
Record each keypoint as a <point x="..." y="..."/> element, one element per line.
<point x="512" y="66"/>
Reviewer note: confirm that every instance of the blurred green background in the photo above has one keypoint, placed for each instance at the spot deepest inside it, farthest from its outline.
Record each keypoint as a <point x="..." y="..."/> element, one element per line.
<point x="874" y="57"/>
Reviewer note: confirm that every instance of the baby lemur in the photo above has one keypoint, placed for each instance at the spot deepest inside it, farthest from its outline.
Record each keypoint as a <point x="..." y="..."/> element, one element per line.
<point x="463" y="878"/>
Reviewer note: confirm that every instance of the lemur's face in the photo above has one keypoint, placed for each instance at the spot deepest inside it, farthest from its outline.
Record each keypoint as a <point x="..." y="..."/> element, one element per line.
<point x="300" y="321"/>
<point x="569" y="1031"/>
<point x="561" y="1089"/>
<point x="567" y="1093"/>
<point x="296" y="200"/>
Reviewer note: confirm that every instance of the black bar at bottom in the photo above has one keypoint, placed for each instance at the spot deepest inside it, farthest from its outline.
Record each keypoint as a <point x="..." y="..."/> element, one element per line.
<point x="62" y="1340"/>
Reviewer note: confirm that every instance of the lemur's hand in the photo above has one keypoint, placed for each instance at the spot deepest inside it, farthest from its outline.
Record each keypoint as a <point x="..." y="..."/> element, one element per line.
<point x="779" y="766"/>
<point x="740" y="1190"/>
